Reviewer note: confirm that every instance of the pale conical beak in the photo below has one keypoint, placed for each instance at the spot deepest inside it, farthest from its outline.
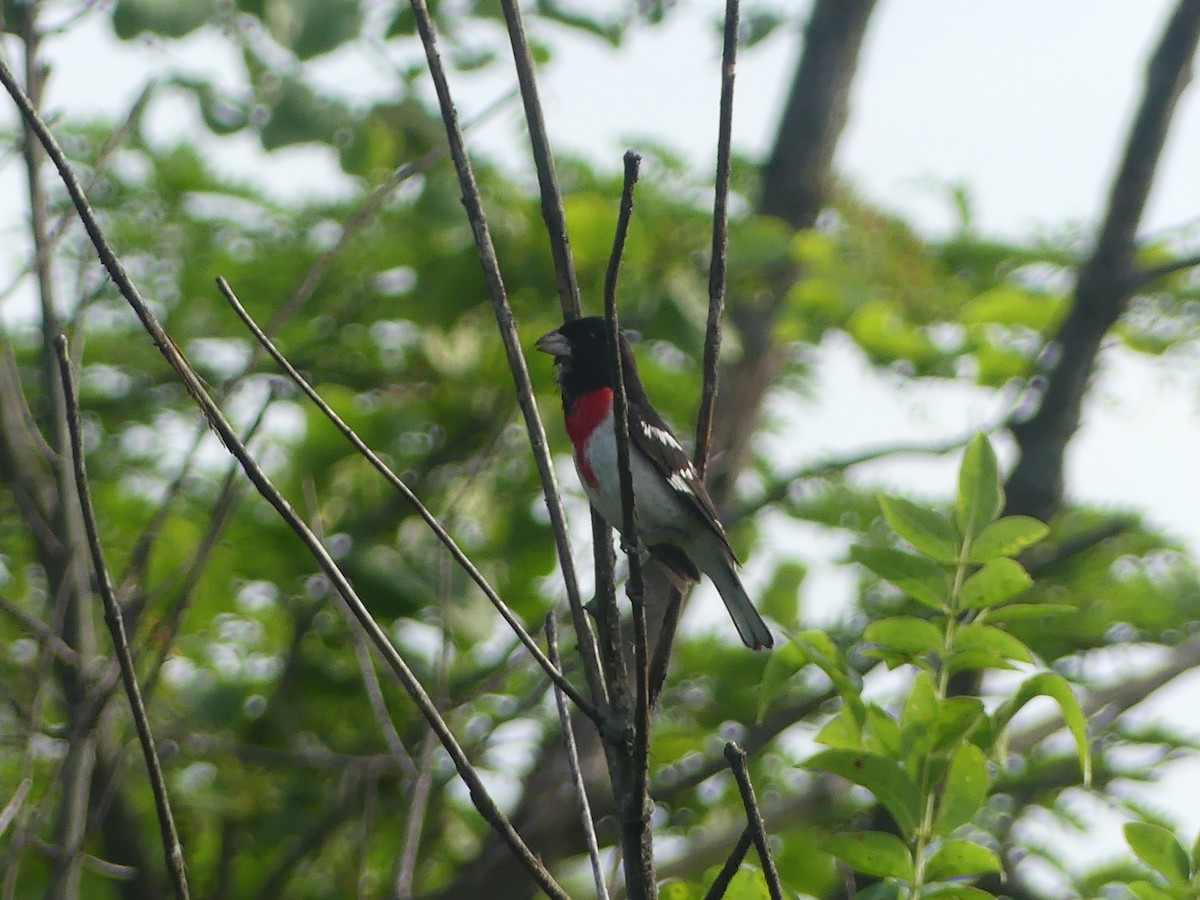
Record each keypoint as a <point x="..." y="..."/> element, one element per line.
<point x="554" y="343"/>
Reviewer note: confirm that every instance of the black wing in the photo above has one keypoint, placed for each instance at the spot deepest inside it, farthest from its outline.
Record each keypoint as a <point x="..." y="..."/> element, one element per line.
<point x="650" y="434"/>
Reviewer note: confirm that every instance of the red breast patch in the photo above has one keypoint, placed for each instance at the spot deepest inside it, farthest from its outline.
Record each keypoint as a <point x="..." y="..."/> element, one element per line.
<point x="584" y="417"/>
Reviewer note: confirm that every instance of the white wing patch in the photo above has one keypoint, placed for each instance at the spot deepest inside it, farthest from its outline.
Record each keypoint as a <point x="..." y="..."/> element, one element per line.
<point x="681" y="482"/>
<point x="662" y="436"/>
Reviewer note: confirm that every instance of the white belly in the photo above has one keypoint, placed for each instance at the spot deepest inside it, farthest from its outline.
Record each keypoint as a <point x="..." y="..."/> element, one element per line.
<point x="663" y="516"/>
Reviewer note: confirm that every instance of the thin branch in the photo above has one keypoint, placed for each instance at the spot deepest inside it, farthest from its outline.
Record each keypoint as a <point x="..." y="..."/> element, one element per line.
<point x="1144" y="277"/>
<point x="418" y="806"/>
<point x="737" y="762"/>
<point x="585" y="810"/>
<point x="403" y="489"/>
<point x="479" y="794"/>
<point x="506" y="323"/>
<point x="720" y="241"/>
<point x="366" y="663"/>
<point x="634" y="816"/>
<point x="13" y="806"/>
<point x="780" y="488"/>
<point x="172" y="850"/>
<point x="61" y="648"/>
<point x="712" y="336"/>
<point x="543" y="159"/>
<point x="721" y="883"/>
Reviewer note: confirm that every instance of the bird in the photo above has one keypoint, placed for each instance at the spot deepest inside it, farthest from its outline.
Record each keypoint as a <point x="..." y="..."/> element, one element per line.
<point x="677" y="521"/>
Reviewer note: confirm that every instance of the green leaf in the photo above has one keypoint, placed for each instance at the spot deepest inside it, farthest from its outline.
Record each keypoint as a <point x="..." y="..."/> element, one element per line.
<point x="918" y="720"/>
<point x="1006" y="537"/>
<point x="884" y="778"/>
<point x="311" y="27"/>
<point x="1057" y="688"/>
<point x="957" y="718"/>
<point x="980" y="497"/>
<point x="1158" y="848"/>
<point x="905" y="633"/>
<point x="843" y="731"/>
<point x="1196" y="854"/>
<point x="985" y="638"/>
<point x="679" y="890"/>
<point x="920" y="578"/>
<point x="883" y="890"/>
<point x="782" y="666"/>
<point x="882" y="731"/>
<point x="958" y="858"/>
<point x="1022" y="612"/>
<point x="781" y="600"/>
<point x="955" y="892"/>
<point x="166" y="18"/>
<point x="872" y="853"/>
<point x="965" y="789"/>
<point x="1144" y="890"/>
<point x="819" y="649"/>
<point x="999" y="580"/>
<point x="928" y="531"/>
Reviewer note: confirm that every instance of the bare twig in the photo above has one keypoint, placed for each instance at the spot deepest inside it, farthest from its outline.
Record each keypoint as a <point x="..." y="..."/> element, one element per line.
<point x="172" y="850"/>
<point x="552" y="204"/>
<point x="629" y="536"/>
<point x="418" y="805"/>
<point x="362" y="655"/>
<point x="13" y="806"/>
<point x="585" y="810"/>
<point x="396" y="482"/>
<point x="506" y="323"/>
<point x="712" y="336"/>
<point x="634" y="816"/>
<point x="720" y="241"/>
<point x="721" y="883"/>
<point x="61" y="648"/>
<point x="737" y="762"/>
<point x="479" y="794"/>
<point x="1145" y="277"/>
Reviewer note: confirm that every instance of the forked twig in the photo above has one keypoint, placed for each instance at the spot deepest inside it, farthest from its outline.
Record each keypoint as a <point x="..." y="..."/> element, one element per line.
<point x="754" y="821"/>
<point x="172" y="849"/>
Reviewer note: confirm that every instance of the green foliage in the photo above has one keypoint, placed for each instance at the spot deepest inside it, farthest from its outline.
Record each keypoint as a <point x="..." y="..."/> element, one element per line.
<point x="928" y="766"/>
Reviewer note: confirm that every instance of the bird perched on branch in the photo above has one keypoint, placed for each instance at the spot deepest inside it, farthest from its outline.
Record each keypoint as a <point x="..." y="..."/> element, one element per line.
<point x="676" y="519"/>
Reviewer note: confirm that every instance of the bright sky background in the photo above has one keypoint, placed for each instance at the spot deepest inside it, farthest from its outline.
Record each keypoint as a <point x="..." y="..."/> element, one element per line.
<point x="1026" y="102"/>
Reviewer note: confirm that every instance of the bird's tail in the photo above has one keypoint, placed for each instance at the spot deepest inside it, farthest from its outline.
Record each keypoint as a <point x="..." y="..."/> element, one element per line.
<point x="749" y="623"/>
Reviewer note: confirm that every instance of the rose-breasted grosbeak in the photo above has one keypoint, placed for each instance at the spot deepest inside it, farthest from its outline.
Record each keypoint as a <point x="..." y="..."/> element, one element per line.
<point x="676" y="519"/>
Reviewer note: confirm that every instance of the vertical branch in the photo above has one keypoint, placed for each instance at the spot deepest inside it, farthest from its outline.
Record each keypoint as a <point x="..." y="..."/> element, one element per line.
<point x="720" y="240"/>
<point x="716" y="310"/>
<point x="639" y="858"/>
<point x="543" y="159"/>
<point x="172" y="850"/>
<point x="512" y="346"/>
<point x="754" y="821"/>
<point x="585" y="811"/>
